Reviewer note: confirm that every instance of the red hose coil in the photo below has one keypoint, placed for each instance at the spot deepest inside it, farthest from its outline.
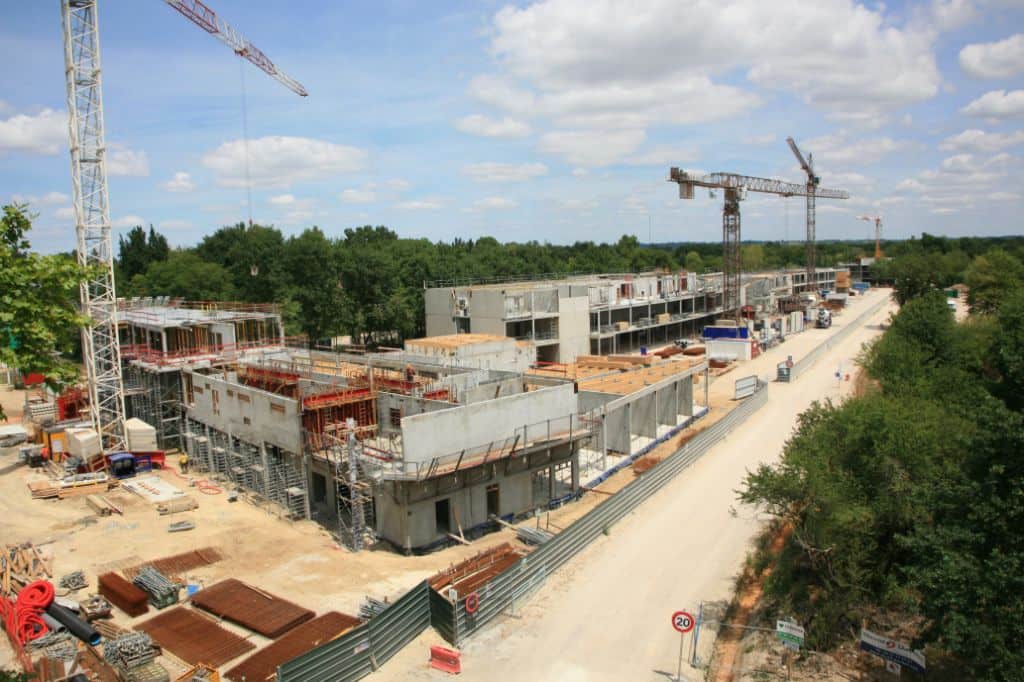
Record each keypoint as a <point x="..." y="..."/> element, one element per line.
<point x="23" y="618"/>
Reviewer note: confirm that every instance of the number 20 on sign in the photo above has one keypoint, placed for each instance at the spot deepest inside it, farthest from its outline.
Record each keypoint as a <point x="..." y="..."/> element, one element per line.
<point x="682" y="622"/>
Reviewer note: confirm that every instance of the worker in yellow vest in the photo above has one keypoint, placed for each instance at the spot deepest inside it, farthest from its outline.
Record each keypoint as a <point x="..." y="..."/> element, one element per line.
<point x="183" y="463"/>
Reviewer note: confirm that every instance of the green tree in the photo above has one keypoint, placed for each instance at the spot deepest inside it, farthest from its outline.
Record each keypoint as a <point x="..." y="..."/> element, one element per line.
<point x="318" y="291"/>
<point x="913" y="276"/>
<point x="752" y="257"/>
<point x="694" y="263"/>
<point x="38" y="295"/>
<point x="137" y="250"/>
<point x="992" y="278"/>
<point x="184" y="274"/>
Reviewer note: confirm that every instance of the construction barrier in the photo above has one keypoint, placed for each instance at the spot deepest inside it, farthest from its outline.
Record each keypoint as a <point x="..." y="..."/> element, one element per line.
<point x="359" y="652"/>
<point x="443" y="658"/>
<point x="808" y="360"/>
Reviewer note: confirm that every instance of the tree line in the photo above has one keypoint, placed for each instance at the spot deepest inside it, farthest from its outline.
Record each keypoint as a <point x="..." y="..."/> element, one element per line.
<point x="369" y="281"/>
<point x="906" y="504"/>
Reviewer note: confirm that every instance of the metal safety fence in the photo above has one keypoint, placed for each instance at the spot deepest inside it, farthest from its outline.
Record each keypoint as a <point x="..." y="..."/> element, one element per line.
<point x="806" y="362"/>
<point x="511" y="588"/>
<point x="364" y="649"/>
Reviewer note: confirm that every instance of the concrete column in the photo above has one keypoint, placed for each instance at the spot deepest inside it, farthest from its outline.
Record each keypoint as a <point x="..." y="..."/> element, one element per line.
<point x="308" y="471"/>
<point x="263" y="463"/>
<point x="575" y="460"/>
<point x="551" y="478"/>
<point x="604" y="442"/>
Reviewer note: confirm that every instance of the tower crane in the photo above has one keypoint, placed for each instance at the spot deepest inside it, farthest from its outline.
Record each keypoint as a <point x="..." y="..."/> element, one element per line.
<point x="811" y="193"/>
<point x="877" y="220"/>
<point x="735" y="188"/>
<point x="101" y="351"/>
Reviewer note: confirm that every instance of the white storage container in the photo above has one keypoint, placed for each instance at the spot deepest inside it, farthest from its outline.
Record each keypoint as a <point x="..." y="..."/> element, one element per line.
<point x="141" y="436"/>
<point x="84" y="443"/>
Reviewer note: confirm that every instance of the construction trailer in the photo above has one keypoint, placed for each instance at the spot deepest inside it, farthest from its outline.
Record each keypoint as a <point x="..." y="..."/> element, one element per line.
<point x="160" y="337"/>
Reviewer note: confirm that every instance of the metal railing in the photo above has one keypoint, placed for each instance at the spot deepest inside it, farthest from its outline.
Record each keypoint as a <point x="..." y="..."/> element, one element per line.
<point x="506" y="590"/>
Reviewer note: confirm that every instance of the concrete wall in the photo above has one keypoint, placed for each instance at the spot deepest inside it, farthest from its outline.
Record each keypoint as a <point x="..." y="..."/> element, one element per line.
<point x="407" y="405"/>
<point x="573" y="323"/>
<point x="492" y="390"/>
<point x="439" y="310"/>
<point x="487" y="311"/>
<point x="470" y="426"/>
<point x="246" y="413"/>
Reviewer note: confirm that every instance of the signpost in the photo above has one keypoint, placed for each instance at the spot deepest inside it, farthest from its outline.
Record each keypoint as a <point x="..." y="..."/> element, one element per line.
<point x="891" y="650"/>
<point x="790" y="634"/>
<point x="682" y="622"/>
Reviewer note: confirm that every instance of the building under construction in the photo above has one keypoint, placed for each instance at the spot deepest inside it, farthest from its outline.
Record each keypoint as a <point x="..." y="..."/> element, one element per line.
<point x="404" y="448"/>
<point x="162" y="336"/>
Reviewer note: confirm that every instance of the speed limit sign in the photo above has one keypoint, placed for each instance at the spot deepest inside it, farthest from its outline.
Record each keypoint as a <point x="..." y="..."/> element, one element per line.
<point x="682" y="621"/>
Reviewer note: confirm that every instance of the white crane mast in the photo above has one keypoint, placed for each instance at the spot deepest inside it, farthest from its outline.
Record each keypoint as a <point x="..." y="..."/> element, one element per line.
<point x="101" y="352"/>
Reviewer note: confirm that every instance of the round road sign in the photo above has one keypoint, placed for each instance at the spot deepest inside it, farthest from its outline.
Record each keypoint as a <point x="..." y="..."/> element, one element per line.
<point x="472" y="603"/>
<point x="682" y="621"/>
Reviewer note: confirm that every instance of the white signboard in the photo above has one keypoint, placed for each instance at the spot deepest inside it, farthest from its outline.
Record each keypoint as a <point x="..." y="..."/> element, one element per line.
<point x="891" y="650"/>
<point x="790" y="634"/>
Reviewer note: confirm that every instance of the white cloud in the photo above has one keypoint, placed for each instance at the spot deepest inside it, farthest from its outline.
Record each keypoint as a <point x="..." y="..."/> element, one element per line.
<point x="950" y="14"/>
<point x="840" y="149"/>
<point x="504" y="172"/>
<point x="357" y="196"/>
<point x="579" y="172"/>
<point x="5" y="107"/>
<point x="975" y="140"/>
<point x="579" y="204"/>
<point x="655" y="61"/>
<point x="128" y="221"/>
<point x="494" y="203"/>
<point x="961" y="179"/>
<point x="489" y="127"/>
<point x="181" y="182"/>
<point x="48" y="199"/>
<point x="42" y="133"/>
<point x="420" y="205"/>
<point x="175" y="224"/>
<point x="282" y="199"/>
<point x="124" y="161"/>
<point x="997" y="104"/>
<point x="65" y="213"/>
<point x="760" y="140"/>
<point x="1001" y="59"/>
<point x="1004" y="196"/>
<point x="663" y="155"/>
<point x="592" y="147"/>
<point x="279" y="161"/>
<point x="397" y="184"/>
<point x="945" y="209"/>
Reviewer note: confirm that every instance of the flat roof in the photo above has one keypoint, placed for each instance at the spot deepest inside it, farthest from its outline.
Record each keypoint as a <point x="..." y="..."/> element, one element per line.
<point x="450" y="341"/>
<point x="170" y="316"/>
<point x="626" y="382"/>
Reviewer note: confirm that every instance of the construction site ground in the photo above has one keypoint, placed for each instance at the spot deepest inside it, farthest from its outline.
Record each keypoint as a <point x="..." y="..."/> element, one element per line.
<point x="606" y="615"/>
<point x="300" y="561"/>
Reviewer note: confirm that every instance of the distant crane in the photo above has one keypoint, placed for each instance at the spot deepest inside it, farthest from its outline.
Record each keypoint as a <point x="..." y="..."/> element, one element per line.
<point x="101" y="352"/>
<point x="877" y="220"/>
<point x="735" y="188"/>
<point x="811" y="193"/>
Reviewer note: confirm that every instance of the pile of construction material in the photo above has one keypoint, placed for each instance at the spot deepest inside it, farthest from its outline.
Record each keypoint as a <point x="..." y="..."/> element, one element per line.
<point x="72" y="485"/>
<point x="22" y="564"/>
<point x="161" y="591"/>
<point x="475" y="572"/>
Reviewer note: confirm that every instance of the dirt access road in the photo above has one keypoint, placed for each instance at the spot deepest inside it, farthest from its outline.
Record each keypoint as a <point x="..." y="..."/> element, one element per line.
<point x="606" y="614"/>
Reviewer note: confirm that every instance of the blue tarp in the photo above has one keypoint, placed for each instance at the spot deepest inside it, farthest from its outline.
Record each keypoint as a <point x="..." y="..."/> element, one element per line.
<point x="726" y="333"/>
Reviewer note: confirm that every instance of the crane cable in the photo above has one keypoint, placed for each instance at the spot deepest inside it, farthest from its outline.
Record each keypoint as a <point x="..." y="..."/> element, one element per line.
<point x="245" y="140"/>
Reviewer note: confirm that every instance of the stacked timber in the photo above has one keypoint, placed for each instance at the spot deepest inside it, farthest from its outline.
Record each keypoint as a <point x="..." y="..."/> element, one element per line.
<point x="22" y="564"/>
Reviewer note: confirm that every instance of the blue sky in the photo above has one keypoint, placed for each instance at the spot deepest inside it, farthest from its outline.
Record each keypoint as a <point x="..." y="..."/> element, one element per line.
<point x="554" y="121"/>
